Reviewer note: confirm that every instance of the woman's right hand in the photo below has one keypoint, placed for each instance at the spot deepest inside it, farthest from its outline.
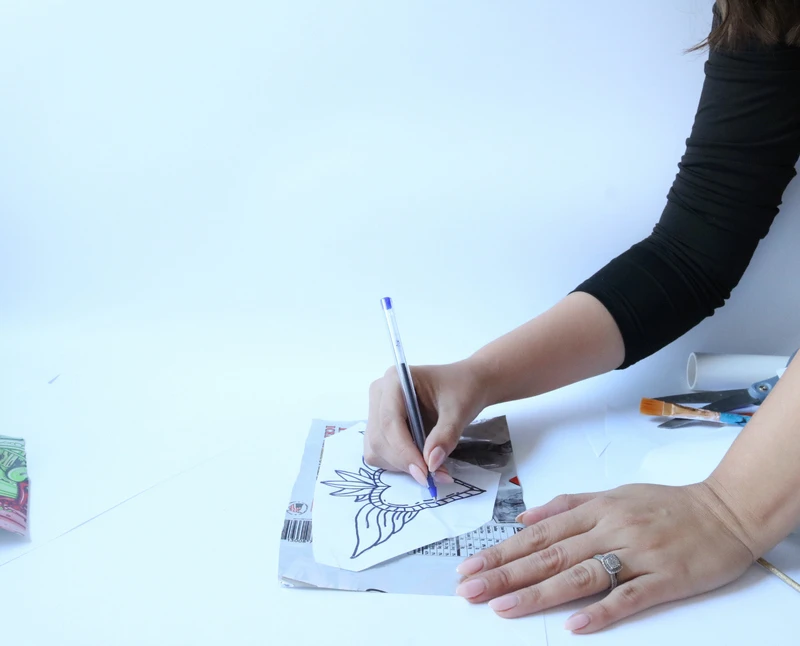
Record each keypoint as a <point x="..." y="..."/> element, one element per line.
<point x="450" y="397"/>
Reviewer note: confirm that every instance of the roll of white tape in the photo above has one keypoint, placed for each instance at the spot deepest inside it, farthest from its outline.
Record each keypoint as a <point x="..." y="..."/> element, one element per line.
<point x="727" y="371"/>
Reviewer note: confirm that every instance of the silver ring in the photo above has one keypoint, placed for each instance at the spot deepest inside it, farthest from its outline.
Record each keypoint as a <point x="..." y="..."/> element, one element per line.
<point x="612" y="565"/>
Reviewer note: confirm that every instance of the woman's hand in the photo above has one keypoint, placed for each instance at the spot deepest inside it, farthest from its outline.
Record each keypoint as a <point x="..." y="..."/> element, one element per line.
<point x="450" y="397"/>
<point x="673" y="542"/>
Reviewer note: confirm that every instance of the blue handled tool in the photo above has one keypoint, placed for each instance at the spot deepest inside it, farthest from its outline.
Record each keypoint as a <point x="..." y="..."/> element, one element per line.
<point x="722" y="400"/>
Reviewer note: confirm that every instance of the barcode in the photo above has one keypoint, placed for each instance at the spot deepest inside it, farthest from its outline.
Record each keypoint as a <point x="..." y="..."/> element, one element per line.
<point x="296" y="531"/>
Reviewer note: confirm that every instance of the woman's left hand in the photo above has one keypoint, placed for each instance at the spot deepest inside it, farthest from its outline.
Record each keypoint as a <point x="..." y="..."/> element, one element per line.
<point x="673" y="542"/>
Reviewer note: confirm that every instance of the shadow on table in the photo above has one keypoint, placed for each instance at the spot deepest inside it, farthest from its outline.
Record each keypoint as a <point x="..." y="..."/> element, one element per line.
<point x="7" y="538"/>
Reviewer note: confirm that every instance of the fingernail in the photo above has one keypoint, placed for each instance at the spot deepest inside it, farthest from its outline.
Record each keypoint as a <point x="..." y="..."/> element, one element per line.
<point x="526" y="516"/>
<point x="504" y="603"/>
<point x="471" y="566"/>
<point x="436" y="458"/>
<point x="470" y="589"/>
<point x="443" y="478"/>
<point x="417" y="474"/>
<point x="576" y="622"/>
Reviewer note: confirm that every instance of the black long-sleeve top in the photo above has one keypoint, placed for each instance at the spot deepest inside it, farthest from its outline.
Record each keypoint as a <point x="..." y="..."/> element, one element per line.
<point x="740" y="157"/>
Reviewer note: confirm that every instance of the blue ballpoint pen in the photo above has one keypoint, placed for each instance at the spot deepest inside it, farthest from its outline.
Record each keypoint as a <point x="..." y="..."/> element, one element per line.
<point x="409" y="394"/>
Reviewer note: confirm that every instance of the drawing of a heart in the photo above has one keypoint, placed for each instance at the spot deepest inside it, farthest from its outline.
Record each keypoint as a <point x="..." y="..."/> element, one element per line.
<point x="390" y="500"/>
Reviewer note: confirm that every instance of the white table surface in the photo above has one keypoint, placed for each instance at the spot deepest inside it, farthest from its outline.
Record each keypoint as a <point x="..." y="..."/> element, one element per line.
<point x="203" y="466"/>
<point x="200" y="206"/>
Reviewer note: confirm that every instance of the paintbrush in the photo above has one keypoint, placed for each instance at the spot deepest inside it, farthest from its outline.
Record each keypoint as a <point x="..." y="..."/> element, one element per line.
<point x="781" y="575"/>
<point x="658" y="408"/>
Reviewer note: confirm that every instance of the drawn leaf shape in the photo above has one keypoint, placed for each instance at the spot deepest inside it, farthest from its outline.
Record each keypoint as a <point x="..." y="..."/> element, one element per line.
<point x="352" y="484"/>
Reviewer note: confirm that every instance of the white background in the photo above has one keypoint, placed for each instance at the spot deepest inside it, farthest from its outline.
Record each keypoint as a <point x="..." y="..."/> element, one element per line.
<point x="200" y="207"/>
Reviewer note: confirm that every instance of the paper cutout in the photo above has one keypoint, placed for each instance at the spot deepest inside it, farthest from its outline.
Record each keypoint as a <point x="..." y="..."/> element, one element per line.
<point x="378" y="520"/>
<point x="395" y="514"/>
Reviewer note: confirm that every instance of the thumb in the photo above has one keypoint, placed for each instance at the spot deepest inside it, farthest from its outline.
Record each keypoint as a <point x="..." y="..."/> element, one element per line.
<point x="442" y="441"/>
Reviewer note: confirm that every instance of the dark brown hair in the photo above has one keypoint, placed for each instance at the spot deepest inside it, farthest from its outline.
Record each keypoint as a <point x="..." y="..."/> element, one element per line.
<point x="742" y="22"/>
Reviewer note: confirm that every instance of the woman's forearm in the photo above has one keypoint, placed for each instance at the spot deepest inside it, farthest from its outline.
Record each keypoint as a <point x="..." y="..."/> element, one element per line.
<point x="574" y="340"/>
<point x="759" y="477"/>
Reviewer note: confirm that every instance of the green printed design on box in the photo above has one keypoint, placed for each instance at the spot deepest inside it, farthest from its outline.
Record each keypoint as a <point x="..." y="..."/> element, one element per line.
<point x="13" y="485"/>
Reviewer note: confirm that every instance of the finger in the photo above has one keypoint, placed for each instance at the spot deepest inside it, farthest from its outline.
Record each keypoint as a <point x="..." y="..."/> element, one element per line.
<point x="373" y="457"/>
<point x="372" y="438"/>
<point x="375" y="393"/>
<point x="442" y="477"/>
<point x="385" y="419"/>
<point x="442" y="440"/>
<point x="528" y="570"/>
<point x="558" y="505"/>
<point x="531" y="539"/>
<point x="399" y="449"/>
<point x="581" y="580"/>
<point x="623" y="601"/>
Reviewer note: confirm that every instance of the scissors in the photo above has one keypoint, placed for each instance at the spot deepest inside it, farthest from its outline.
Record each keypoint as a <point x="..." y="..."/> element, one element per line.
<point x="722" y="401"/>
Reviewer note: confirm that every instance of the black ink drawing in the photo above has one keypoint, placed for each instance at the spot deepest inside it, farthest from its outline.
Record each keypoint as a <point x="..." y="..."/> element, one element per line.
<point x="377" y="520"/>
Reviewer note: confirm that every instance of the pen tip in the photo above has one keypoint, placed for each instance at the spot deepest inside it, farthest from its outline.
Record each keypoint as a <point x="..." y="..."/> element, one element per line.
<point x="432" y="488"/>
